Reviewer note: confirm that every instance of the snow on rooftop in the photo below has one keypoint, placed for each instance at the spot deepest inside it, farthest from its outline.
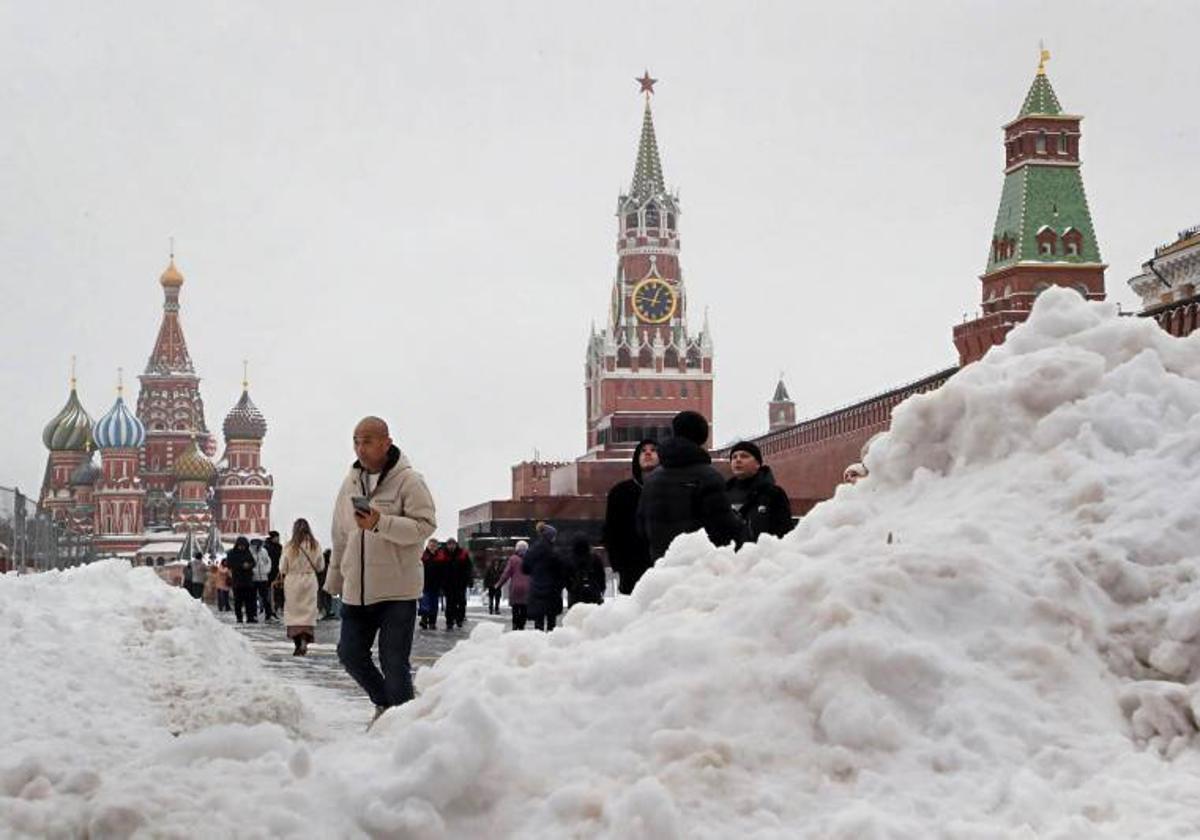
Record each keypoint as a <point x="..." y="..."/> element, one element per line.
<point x="993" y="635"/>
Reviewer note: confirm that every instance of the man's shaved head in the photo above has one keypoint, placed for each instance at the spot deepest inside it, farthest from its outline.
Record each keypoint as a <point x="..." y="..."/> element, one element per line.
<point x="373" y="425"/>
<point x="372" y="442"/>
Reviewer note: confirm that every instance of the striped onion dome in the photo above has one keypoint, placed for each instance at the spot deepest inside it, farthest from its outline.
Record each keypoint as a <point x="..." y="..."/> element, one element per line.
<point x="71" y="428"/>
<point x="86" y="473"/>
<point x="193" y="466"/>
<point x="119" y="429"/>
<point x="244" y="421"/>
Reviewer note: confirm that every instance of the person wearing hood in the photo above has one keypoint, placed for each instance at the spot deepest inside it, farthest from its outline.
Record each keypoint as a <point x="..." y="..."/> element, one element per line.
<point x="518" y="585"/>
<point x="547" y="578"/>
<point x="240" y="563"/>
<point x="262" y="578"/>
<point x="761" y="503"/>
<point x="628" y="551"/>
<point x="383" y="515"/>
<point x="686" y="493"/>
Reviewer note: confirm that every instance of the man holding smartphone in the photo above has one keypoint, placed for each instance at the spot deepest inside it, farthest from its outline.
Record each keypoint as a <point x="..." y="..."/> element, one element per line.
<point x="381" y="519"/>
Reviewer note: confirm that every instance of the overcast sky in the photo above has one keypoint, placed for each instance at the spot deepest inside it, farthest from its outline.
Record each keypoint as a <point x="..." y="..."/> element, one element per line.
<point x="407" y="209"/>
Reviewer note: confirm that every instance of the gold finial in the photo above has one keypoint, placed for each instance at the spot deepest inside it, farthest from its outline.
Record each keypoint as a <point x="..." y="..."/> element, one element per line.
<point x="172" y="240"/>
<point x="245" y="374"/>
<point x="1043" y="57"/>
<point x="120" y="381"/>
<point x="72" y="373"/>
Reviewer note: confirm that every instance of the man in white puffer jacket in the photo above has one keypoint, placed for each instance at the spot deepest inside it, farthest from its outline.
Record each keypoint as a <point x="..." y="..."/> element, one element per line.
<point x="375" y="564"/>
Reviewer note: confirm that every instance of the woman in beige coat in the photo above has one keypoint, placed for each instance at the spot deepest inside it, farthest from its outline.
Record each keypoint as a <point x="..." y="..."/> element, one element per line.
<point x="301" y="563"/>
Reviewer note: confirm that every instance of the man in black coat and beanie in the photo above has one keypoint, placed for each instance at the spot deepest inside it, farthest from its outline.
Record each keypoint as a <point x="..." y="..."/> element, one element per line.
<point x="686" y="493"/>
<point x="763" y="505"/>
<point x="628" y="551"/>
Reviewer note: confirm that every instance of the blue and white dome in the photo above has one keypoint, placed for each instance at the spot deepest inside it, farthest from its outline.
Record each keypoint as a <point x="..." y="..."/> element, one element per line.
<point x="119" y="429"/>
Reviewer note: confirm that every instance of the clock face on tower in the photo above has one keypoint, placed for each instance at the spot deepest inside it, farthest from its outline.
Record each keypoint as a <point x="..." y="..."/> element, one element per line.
<point x="654" y="301"/>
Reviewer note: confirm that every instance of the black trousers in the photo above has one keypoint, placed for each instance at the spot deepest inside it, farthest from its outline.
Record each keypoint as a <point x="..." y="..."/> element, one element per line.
<point x="393" y="622"/>
<point x="223" y="600"/>
<point x="263" y="588"/>
<point x="245" y="599"/>
<point x="520" y="615"/>
<point x="456" y="606"/>
<point x="493" y="600"/>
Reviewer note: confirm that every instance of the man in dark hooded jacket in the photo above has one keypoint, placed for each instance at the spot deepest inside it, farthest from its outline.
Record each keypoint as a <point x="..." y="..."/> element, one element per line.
<point x="686" y="493"/>
<point x="763" y="505"/>
<point x="628" y="551"/>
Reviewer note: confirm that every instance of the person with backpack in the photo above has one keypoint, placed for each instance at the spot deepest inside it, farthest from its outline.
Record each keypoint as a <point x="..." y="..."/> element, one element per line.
<point x="586" y="580"/>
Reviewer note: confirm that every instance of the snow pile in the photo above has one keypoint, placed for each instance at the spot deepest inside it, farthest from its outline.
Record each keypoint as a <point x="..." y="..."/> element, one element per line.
<point x="997" y="634"/>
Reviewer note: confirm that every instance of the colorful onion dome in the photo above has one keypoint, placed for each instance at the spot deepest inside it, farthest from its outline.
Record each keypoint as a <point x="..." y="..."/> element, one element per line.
<point x="71" y="428"/>
<point x="86" y="473"/>
<point x="119" y="429"/>
<point x="244" y="421"/>
<point x="193" y="466"/>
<point x="171" y="277"/>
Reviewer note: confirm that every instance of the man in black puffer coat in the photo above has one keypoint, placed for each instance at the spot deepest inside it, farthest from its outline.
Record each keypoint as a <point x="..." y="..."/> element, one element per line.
<point x="763" y="505"/>
<point x="628" y="551"/>
<point x="686" y="493"/>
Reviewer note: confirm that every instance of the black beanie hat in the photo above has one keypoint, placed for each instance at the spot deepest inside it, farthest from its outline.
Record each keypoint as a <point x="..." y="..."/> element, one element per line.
<point x="690" y="425"/>
<point x="747" y="446"/>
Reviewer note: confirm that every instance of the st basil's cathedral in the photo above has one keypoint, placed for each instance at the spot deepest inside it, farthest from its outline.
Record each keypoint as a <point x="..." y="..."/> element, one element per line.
<point x="155" y="488"/>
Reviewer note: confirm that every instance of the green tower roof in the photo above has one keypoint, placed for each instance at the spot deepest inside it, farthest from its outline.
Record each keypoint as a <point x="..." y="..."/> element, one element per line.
<point x="1040" y="100"/>
<point x="647" y="174"/>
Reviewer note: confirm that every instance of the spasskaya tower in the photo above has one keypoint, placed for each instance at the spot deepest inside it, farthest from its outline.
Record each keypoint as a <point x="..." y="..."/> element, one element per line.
<point x="646" y="365"/>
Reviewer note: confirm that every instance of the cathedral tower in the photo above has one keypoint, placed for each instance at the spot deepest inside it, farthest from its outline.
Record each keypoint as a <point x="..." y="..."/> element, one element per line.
<point x="645" y="365"/>
<point x="119" y="498"/>
<point x="169" y="406"/>
<point x="1043" y="234"/>
<point x="68" y="436"/>
<point x="244" y="487"/>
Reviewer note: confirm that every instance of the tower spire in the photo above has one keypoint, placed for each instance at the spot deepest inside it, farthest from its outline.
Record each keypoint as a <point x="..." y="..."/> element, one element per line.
<point x="72" y="373"/>
<point x="245" y="374"/>
<point x="647" y="172"/>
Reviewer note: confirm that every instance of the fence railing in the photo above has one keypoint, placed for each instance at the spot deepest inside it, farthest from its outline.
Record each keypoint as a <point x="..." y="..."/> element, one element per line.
<point x="31" y="541"/>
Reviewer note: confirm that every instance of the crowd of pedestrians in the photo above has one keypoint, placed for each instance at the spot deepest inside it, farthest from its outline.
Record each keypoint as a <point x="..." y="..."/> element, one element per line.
<point x="391" y="575"/>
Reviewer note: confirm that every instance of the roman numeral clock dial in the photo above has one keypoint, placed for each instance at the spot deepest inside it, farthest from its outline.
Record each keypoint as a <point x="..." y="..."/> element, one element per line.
<point x="654" y="301"/>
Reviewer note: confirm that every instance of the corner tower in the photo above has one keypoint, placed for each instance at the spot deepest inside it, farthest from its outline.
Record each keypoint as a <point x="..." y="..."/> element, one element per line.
<point x="646" y="365"/>
<point x="1043" y="234"/>
<point x="169" y="405"/>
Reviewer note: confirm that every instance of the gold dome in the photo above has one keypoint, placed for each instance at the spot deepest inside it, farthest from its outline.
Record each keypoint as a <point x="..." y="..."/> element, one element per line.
<point x="192" y="465"/>
<point x="171" y="277"/>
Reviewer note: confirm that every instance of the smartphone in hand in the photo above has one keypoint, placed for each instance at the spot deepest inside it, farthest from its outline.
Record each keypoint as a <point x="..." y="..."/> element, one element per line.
<point x="361" y="504"/>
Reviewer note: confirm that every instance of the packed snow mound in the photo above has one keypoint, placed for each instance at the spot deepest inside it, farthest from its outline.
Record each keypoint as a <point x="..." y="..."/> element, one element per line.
<point x="994" y="635"/>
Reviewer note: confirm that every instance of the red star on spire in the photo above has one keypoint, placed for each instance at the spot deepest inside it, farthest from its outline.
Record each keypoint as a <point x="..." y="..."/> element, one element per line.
<point x="647" y="83"/>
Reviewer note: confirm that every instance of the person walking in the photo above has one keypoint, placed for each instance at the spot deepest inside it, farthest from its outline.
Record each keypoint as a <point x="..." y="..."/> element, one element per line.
<point x="518" y="585"/>
<point x="547" y="577"/>
<point x="491" y="574"/>
<point x="686" y="493"/>
<point x="241" y="565"/>
<point x="262" y="578"/>
<point x="275" y="549"/>
<point x="221" y="572"/>
<point x="628" y="551"/>
<point x="460" y="575"/>
<point x="427" y="607"/>
<point x="199" y="575"/>
<point x="585" y="574"/>
<point x="382" y="517"/>
<point x="761" y="503"/>
<point x="301" y="564"/>
<point x="324" y="599"/>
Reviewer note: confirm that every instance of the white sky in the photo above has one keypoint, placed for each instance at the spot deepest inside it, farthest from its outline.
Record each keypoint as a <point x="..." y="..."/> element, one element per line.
<point x="407" y="209"/>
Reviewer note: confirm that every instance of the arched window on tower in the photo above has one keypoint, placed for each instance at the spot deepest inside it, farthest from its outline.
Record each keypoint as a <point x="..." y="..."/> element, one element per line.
<point x="1040" y="143"/>
<point x="1072" y="242"/>
<point x="1062" y="143"/>
<point x="624" y="359"/>
<point x="651" y="215"/>
<point x="671" y="221"/>
<point x="693" y="357"/>
<point x="671" y="358"/>
<point x="1047" y="241"/>
<point x="631" y="221"/>
<point x="645" y="357"/>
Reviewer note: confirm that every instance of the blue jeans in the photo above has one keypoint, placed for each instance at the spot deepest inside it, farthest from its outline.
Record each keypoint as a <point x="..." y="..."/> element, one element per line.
<point x="393" y="621"/>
